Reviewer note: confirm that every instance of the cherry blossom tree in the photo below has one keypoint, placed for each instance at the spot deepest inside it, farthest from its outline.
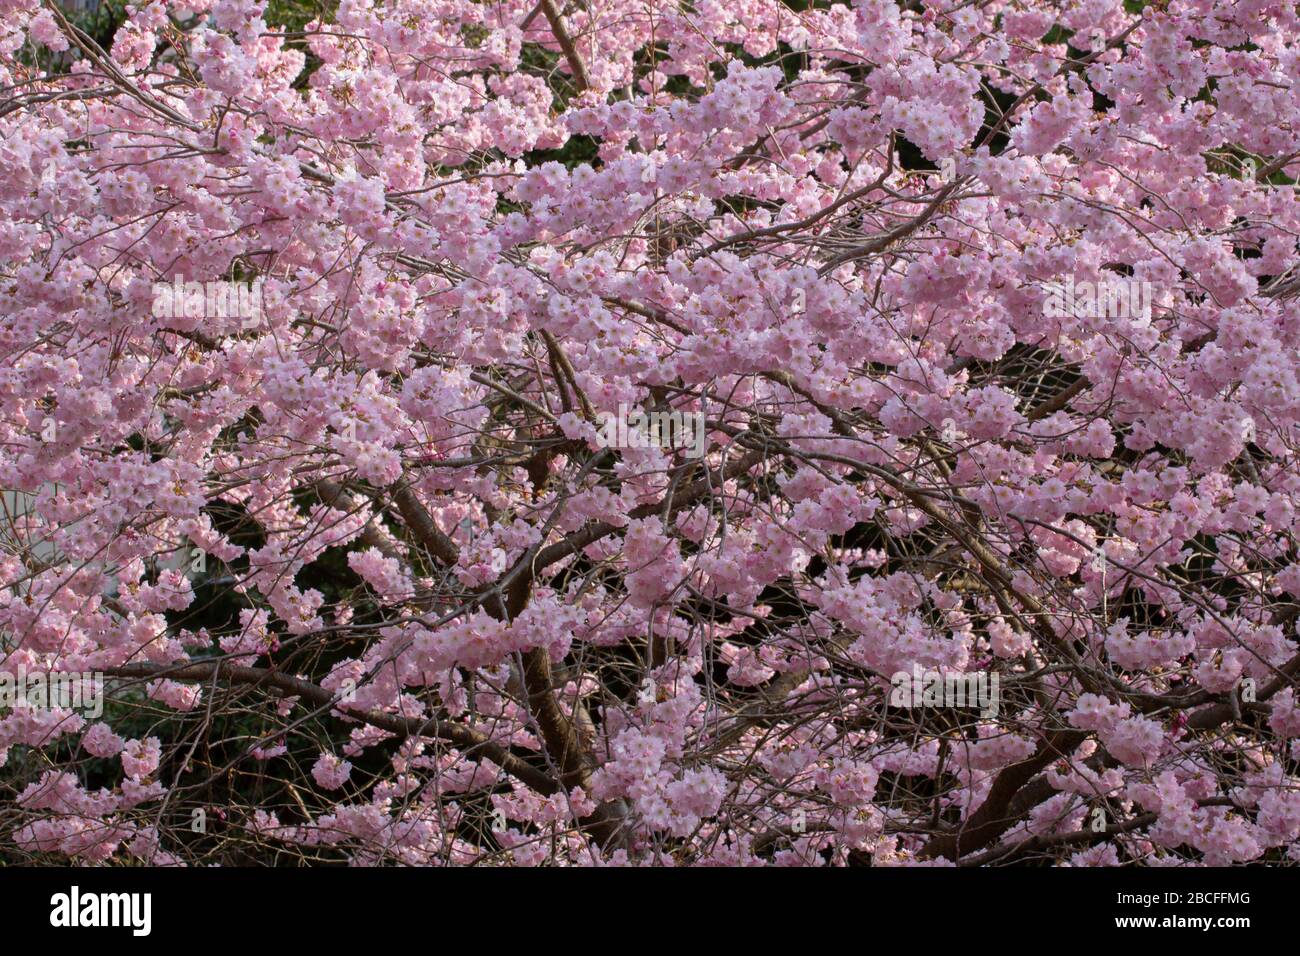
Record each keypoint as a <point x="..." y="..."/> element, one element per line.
<point x="982" y="309"/>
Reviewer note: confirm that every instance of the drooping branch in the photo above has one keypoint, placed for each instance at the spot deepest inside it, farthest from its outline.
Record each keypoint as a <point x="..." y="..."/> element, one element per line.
<point x="470" y="742"/>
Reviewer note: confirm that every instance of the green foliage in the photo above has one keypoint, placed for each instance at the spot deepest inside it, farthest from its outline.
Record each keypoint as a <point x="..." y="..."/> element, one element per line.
<point x="102" y="23"/>
<point x="296" y="14"/>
